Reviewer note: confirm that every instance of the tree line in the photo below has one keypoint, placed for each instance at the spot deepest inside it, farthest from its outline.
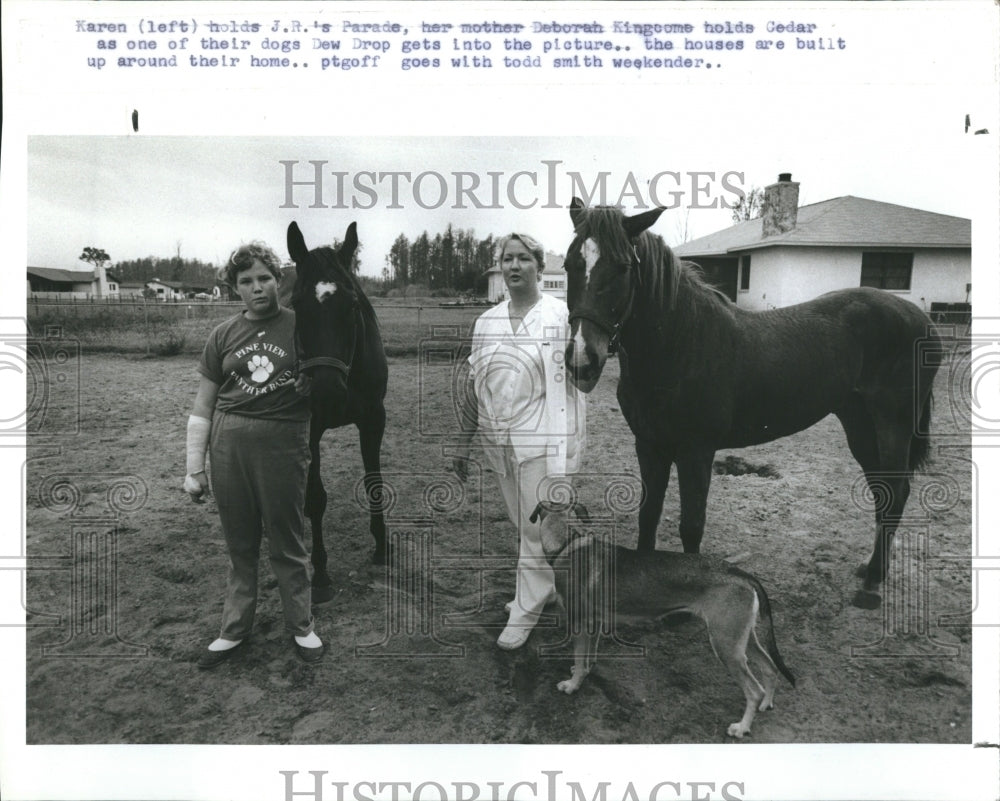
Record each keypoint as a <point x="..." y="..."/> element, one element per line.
<point x="455" y="259"/>
<point x="191" y="272"/>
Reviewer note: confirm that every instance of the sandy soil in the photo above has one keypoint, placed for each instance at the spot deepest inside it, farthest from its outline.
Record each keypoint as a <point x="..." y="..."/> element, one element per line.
<point x="127" y="577"/>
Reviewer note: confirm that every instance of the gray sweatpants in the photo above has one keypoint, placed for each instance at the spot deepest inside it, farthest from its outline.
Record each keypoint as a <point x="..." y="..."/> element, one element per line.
<point x="259" y="472"/>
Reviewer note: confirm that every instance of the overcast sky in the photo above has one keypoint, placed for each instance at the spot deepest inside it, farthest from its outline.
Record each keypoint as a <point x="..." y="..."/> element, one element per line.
<point x="138" y="196"/>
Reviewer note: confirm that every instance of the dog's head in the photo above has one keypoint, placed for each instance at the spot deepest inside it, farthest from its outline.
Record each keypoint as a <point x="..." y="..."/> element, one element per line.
<point x="557" y="529"/>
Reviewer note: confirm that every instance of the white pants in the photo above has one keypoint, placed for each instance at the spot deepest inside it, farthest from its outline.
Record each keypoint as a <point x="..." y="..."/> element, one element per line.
<point x="522" y="488"/>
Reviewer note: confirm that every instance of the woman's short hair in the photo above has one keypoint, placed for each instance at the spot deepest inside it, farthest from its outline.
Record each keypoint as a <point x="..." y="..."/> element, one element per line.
<point x="533" y="245"/>
<point x="245" y="255"/>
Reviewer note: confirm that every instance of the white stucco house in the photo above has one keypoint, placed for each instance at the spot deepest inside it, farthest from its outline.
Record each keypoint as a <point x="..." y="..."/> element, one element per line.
<point x="791" y="254"/>
<point x="80" y="284"/>
<point x="553" y="279"/>
<point x="166" y="290"/>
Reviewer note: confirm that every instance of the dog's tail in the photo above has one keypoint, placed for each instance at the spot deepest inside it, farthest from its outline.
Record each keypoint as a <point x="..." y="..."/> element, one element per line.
<point x="765" y="613"/>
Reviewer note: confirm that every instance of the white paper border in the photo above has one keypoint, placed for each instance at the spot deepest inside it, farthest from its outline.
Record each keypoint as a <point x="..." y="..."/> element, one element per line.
<point x="44" y="98"/>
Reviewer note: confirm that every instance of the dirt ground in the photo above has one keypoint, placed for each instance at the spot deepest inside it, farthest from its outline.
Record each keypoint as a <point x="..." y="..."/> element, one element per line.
<point x="126" y="580"/>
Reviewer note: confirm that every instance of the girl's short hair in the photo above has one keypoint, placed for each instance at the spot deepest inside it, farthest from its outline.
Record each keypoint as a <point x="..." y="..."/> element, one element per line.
<point x="245" y="255"/>
<point x="533" y="245"/>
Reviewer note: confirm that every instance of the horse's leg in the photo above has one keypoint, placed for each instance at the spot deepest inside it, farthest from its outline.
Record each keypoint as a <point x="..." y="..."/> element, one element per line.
<point x="654" y="468"/>
<point x="895" y="432"/>
<point x="694" y="474"/>
<point x="862" y="439"/>
<point x="322" y="587"/>
<point x="882" y="450"/>
<point x="371" y="432"/>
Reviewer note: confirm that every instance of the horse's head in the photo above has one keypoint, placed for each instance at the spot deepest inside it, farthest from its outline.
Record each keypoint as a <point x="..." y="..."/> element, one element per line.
<point x="601" y="265"/>
<point x="326" y="313"/>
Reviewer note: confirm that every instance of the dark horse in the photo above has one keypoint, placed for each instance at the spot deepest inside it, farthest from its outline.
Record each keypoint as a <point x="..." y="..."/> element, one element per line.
<point x="340" y="349"/>
<point x="698" y="373"/>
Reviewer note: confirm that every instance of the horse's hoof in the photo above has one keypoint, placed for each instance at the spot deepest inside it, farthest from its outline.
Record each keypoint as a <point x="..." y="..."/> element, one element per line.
<point x="866" y="599"/>
<point x="322" y="593"/>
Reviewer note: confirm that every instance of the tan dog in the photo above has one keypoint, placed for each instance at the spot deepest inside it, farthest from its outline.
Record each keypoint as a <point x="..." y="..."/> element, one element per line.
<point x="601" y="584"/>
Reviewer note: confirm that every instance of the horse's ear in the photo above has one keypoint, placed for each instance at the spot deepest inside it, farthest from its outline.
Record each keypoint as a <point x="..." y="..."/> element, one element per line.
<point x="576" y="212"/>
<point x="296" y="244"/>
<point x="350" y="241"/>
<point x="640" y="222"/>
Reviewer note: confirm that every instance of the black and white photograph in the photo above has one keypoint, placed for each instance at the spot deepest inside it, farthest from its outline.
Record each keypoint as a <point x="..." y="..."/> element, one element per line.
<point x="512" y="392"/>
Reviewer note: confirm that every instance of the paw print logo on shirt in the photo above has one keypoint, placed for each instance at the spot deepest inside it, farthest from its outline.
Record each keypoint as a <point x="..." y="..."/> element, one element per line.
<point x="260" y="368"/>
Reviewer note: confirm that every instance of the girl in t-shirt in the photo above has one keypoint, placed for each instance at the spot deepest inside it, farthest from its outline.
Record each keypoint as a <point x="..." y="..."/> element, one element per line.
<point x="254" y="418"/>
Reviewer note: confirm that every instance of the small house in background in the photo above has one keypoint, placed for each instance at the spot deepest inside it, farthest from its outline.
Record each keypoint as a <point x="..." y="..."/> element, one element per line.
<point x="166" y="290"/>
<point x="553" y="279"/>
<point x="72" y="283"/>
<point x="132" y="289"/>
<point x="792" y="254"/>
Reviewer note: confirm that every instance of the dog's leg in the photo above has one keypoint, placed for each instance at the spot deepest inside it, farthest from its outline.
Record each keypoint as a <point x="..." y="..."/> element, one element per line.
<point x="584" y="656"/>
<point x="729" y="633"/>
<point x="768" y="668"/>
<point x="736" y="664"/>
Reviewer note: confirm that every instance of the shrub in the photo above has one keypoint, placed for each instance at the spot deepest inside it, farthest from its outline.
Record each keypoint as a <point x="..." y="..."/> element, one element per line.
<point x="171" y="345"/>
<point x="417" y="291"/>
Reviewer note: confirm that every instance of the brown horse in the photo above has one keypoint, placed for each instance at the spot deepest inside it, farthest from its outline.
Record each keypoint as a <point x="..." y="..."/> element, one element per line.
<point x="699" y="374"/>
<point x="340" y="348"/>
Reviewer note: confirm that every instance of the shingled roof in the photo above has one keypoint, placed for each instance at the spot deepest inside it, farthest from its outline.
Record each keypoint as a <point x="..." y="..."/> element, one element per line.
<point x="63" y="276"/>
<point x="842" y="222"/>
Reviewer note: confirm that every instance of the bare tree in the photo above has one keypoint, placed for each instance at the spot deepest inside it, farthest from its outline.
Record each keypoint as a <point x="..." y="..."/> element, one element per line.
<point x="749" y="206"/>
<point x="681" y="219"/>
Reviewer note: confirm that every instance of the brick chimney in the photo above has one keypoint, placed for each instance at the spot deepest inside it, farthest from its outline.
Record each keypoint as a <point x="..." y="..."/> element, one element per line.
<point x="781" y="206"/>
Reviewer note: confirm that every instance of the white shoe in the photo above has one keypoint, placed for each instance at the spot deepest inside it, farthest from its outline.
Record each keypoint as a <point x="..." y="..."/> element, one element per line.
<point x="513" y="637"/>
<point x="223" y="644"/>
<point x="552" y="597"/>
<point x="311" y="640"/>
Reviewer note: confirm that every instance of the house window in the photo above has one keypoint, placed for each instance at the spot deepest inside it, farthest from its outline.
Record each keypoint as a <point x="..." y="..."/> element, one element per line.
<point x="744" y="273"/>
<point x="886" y="270"/>
<point x="551" y="284"/>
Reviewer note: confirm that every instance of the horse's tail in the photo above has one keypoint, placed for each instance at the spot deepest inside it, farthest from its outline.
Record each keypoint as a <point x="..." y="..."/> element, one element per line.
<point x="920" y="444"/>
<point x="765" y="614"/>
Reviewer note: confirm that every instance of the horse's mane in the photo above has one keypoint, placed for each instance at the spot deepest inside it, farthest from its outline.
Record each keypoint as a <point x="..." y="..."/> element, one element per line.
<point x="603" y="224"/>
<point x="660" y="273"/>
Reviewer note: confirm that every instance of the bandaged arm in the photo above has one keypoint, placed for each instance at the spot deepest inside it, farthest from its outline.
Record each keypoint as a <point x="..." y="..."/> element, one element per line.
<point x="199" y="429"/>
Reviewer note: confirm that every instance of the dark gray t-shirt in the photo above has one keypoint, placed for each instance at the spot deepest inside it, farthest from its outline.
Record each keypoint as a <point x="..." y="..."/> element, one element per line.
<point x="253" y="362"/>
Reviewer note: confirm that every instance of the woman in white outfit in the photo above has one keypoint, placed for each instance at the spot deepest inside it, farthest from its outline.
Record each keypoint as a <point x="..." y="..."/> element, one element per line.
<point x="530" y="419"/>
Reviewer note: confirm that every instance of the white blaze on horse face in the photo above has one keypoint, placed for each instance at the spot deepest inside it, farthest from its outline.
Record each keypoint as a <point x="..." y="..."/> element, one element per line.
<point x="591" y="253"/>
<point x="579" y="348"/>
<point x="325" y="289"/>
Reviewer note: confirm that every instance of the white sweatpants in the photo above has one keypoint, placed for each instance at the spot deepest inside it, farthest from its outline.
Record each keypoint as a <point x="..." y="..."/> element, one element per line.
<point x="522" y="488"/>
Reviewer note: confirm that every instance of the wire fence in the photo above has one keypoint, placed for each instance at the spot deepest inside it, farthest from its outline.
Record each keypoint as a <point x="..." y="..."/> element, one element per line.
<point x="140" y="325"/>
